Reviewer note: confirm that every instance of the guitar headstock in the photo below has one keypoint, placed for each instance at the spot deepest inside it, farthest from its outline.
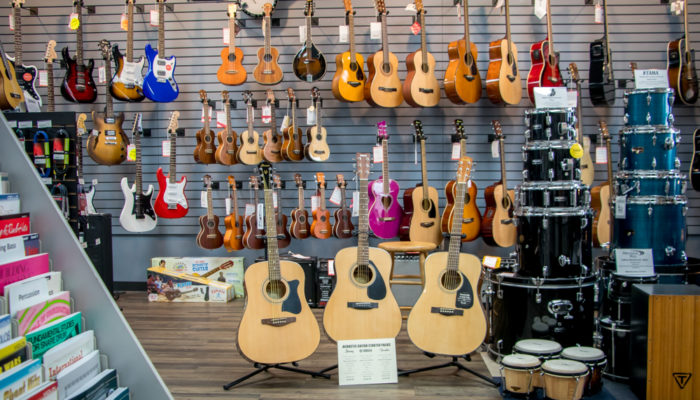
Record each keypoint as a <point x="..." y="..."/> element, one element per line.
<point x="17" y="3"/>
<point x="315" y="94"/>
<point x="173" y="124"/>
<point x="321" y="180"/>
<point x="292" y="96"/>
<point x="604" y="129"/>
<point x="309" y="8"/>
<point x="248" y="98"/>
<point x="298" y="180"/>
<point x="136" y="127"/>
<point x="419" y="6"/>
<point x="106" y="49"/>
<point x="497" y="131"/>
<point x="362" y="165"/>
<point x="232" y="183"/>
<point x="203" y="96"/>
<point x="459" y="130"/>
<point x="380" y="6"/>
<point x="573" y="70"/>
<point x="232" y="10"/>
<point x="50" y="54"/>
<point x="348" y="6"/>
<point x="381" y="132"/>
<point x="224" y="96"/>
<point x="633" y="66"/>
<point x="265" y="169"/>
<point x="341" y="181"/>
<point x="278" y="181"/>
<point x="271" y="98"/>
<point x="80" y="123"/>
<point x="267" y="9"/>
<point x="207" y="181"/>
<point x="419" y="130"/>
<point x="464" y="169"/>
<point x="254" y="182"/>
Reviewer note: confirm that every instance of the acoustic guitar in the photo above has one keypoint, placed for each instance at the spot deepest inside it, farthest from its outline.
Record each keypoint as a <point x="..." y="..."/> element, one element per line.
<point x="362" y="305"/>
<point x="209" y="236"/>
<point x="544" y="66"/>
<point x="601" y="198"/>
<point x="204" y="151"/>
<point x="471" y="217"/>
<point x="309" y="64"/>
<point x="587" y="165"/>
<point x="49" y="57"/>
<point x="249" y="151"/>
<point x="283" y="236"/>
<point x="159" y="83"/>
<point x="601" y="80"/>
<point x="254" y="235"/>
<point x="421" y="217"/>
<point x="695" y="162"/>
<point x="299" y="227"/>
<point x="268" y="72"/>
<point x="171" y="201"/>
<point x="231" y="71"/>
<point x="11" y="95"/>
<point x="109" y="146"/>
<point x="316" y="148"/>
<point x="26" y="74"/>
<point x="272" y="147"/>
<point x="503" y="83"/>
<point x="228" y="138"/>
<point x="448" y="318"/>
<point x="321" y="225"/>
<point x="383" y="87"/>
<point x="462" y="80"/>
<point x="349" y="79"/>
<point x="78" y="85"/>
<point x="85" y="192"/>
<point x="497" y="225"/>
<point x="277" y="324"/>
<point x="233" y="236"/>
<point x="342" y="217"/>
<point x="421" y="88"/>
<point x="126" y="83"/>
<point x="292" y="146"/>
<point x="384" y="209"/>
<point x="682" y="76"/>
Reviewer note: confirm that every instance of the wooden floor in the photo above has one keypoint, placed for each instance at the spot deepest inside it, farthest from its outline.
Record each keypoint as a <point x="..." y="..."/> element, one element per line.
<point x="194" y="349"/>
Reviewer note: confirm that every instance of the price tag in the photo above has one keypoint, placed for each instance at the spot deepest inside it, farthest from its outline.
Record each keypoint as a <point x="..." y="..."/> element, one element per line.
<point x="343" y="33"/>
<point x="201" y="119"/>
<point x="274" y="199"/>
<point x="311" y="115"/>
<point x="12" y="22"/>
<point x="131" y="153"/>
<point x="249" y="209"/>
<point x="302" y="33"/>
<point x="24" y="124"/>
<point x="551" y="97"/>
<point x="221" y="119"/>
<point x="495" y="149"/>
<point x="335" y="196"/>
<point x="411" y="7"/>
<point x="377" y="155"/>
<point x="540" y="9"/>
<point x="124" y="23"/>
<point x="154" y="17"/>
<point x="415" y="28"/>
<point x="456" y="151"/>
<point x="315" y="203"/>
<point x="598" y="14"/>
<point x="260" y="214"/>
<point x="650" y="78"/>
<point x="601" y="155"/>
<point x="226" y="34"/>
<point x="46" y="123"/>
<point x="620" y="207"/>
<point x="266" y="114"/>
<point x="331" y="267"/>
<point x="165" y="145"/>
<point x="355" y="204"/>
<point x="203" y="199"/>
<point x="576" y="151"/>
<point x="95" y="182"/>
<point x="101" y="75"/>
<point x="492" y="262"/>
<point x="43" y="78"/>
<point x="634" y="262"/>
<point x="73" y="22"/>
<point x="375" y="30"/>
<point x="227" y="201"/>
<point x="285" y="123"/>
<point x="572" y="98"/>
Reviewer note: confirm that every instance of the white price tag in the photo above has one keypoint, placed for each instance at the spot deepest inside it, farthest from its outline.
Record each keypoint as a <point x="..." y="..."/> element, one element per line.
<point x="315" y="203"/>
<point x="375" y="30"/>
<point x="249" y="209"/>
<point x="335" y="196"/>
<point x="367" y="361"/>
<point x="12" y="22"/>
<point x="227" y="201"/>
<point x="456" y="151"/>
<point x="598" y="14"/>
<point x="551" y="97"/>
<point x="355" y="204"/>
<point x="634" y="262"/>
<point x="411" y="7"/>
<point x="540" y="9"/>
<point x="311" y="115"/>
<point x="201" y="119"/>
<point x="101" y="75"/>
<point x="343" y="33"/>
<point x="43" y="78"/>
<point x="274" y="199"/>
<point x="572" y="98"/>
<point x="26" y="124"/>
<point x="221" y="119"/>
<point x="154" y="17"/>
<point x="331" y="267"/>
<point x="302" y="33"/>
<point x="266" y="114"/>
<point x="495" y="149"/>
<point x="203" y="199"/>
<point x="46" y="123"/>
<point x="95" y="182"/>
<point x="377" y="154"/>
<point x="260" y="214"/>
<point x="165" y="145"/>
<point x="620" y="207"/>
<point x="650" y="78"/>
<point x="601" y="155"/>
<point x="226" y="35"/>
<point x="285" y="123"/>
<point x="131" y="153"/>
<point x="124" y="22"/>
<point x="492" y="262"/>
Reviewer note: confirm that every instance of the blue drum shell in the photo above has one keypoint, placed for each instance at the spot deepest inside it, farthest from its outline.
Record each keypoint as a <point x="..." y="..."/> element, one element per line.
<point x="648" y="107"/>
<point x="650" y="183"/>
<point x="649" y="148"/>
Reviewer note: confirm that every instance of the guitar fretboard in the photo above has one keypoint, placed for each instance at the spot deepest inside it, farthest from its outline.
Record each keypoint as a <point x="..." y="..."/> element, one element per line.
<point x="172" y="174"/>
<point x="50" y="90"/>
<point x="210" y="206"/>
<point x="456" y="229"/>
<point x="385" y="166"/>
<point x="139" y="175"/>
<point x="17" y="14"/>
<point x="351" y="33"/>
<point x="424" y="170"/>
<point x="161" y="28"/>
<point x="79" y="39"/>
<point x="273" y="258"/>
<point x="363" y="225"/>
<point x="385" y="45"/>
<point x="423" y="45"/>
<point x="130" y="31"/>
<point x="300" y="192"/>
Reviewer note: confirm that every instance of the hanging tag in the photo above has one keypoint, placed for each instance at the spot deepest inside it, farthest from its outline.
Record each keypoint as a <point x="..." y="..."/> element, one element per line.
<point x="101" y="75"/>
<point x="131" y="153"/>
<point x="495" y="151"/>
<point x="331" y="267"/>
<point x="415" y="28"/>
<point x="74" y="22"/>
<point x="492" y="262"/>
<point x="43" y="78"/>
<point x="221" y="119"/>
<point x="12" y="22"/>
<point x="249" y="209"/>
<point x="540" y="8"/>
<point x="302" y="33"/>
<point x="201" y="119"/>
<point x="315" y="203"/>
<point x="266" y="114"/>
<point x="227" y="201"/>
<point x="375" y="30"/>
<point x="226" y="34"/>
<point x="343" y="33"/>
<point x="456" y="152"/>
<point x="601" y="155"/>
<point x="411" y="7"/>
<point x="203" y="199"/>
<point x="274" y="199"/>
<point x="124" y="23"/>
<point x="459" y="11"/>
<point x="415" y="153"/>
<point x="285" y="123"/>
<point x="620" y="207"/>
<point x="311" y="115"/>
<point x="377" y="155"/>
<point x="355" y="204"/>
<point x="165" y="145"/>
<point x="499" y="6"/>
<point x="260" y="214"/>
<point x="154" y="17"/>
<point x="572" y="98"/>
<point x="335" y="196"/>
<point x="598" y="14"/>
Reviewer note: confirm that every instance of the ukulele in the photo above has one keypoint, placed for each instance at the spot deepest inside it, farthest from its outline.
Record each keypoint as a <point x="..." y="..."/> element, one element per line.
<point x="49" y="56"/>
<point x="342" y="217"/>
<point x="421" y="88"/>
<point x="544" y="67"/>
<point x="362" y="305"/>
<point x="292" y="147"/>
<point x="26" y="74"/>
<point x="321" y="225"/>
<point x="283" y="237"/>
<point x="233" y="237"/>
<point x="471" y="217"/>
<point x="125" y="85"/>
<point x="300" y="228"/>
<point x="587" y="165"/>
<point x="272" y="147"/>
<point x="448" y="318"/>
<point x="137" y="214"/>
<point x="384" y="209"/>
<point x="159" y="84"/>
<point x="309" y="65"/>
<point x="249" y="152"/>
<point x="316" y="148"/>
<point x="86" y="196"/>
<point x="601" y="198"/>
<point x="268" y="72"/>
<point x="11" y="95"/>
<point x="109" y="146"/>
<point x="277" y="324"/>
<point x="349" y="79"/>
<point x="601" y="81"/>
<point x="421" y="218"/>
<point x="695" y="162"/>
<point x="205" y="148"/>
<point x="682" y="76"/>
<point x="497" y="225"/>
<point x="78" y="85"/>
<point x="462" y="80"/>
<point x="228" y="141"/>
<point x="231" y="71"/>
<point x="171" y="201"/>
<point x="383" y="87"/>
<point x="503" y="78"/>
<point x="254" y="234"/>
<point x="209" y="236"/>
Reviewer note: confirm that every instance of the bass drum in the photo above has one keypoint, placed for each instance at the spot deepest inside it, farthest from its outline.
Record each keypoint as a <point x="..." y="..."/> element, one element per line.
<point x="615" y="343"/>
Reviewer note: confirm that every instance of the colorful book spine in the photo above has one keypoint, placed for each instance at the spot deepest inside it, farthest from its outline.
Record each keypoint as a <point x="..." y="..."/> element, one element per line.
<point x="14" y="225"/>
<point x="47" y="391"/>
<point x="68" y="353"/>
<point x="24" y="268"/>
<point x="15" y="359"/>
<point x="44" y="312"/>
<point x="12" y="346"/>
<point x="54" y="334"/>
<point x="30" y="291"/>
<point x="21" y="380"/>
<point x="16" y="247"/>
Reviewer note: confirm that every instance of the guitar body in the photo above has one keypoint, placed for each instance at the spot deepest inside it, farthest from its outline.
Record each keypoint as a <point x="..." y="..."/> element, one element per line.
<point x="11" y="94"/>
<point x="159" y="84"/>
<point x="109" y="146"/>
<point x="502" y="78"/>
<point x="249" y="152"/>
<point x="299" y="227"/>
<point x="349" y="79"/>
<point x="309" y="65"/>
<point x="226" y="151"/>
<point x="342" y="225"/>
<point x="384" y="209"/>
<point x="272" y="149"/>
<point x="494" y="230"/>
<point x="316" y="148"/>
<point x="253" y="237"/>
<point x="383" y="87"/>
<point x="681" y="72"/>
<point x="451" y="335"/>
<point x="268" y="71"/>
<point x="86" y="203"/>
<point x="462" y="80"/>
<point x="26" y="79"/>
<point x="600" y="201"/>
<point x="587" y="166"/>
<point x="268" y="344"/>
<point x="425" y="223"/>
<point x="120" y="88"/>
<point x="405" y="226"/>
<point x="71" y="89"/>
<point x="601" y="82"/>
<point x="551" y="74"/>
<point x="321" y="226"/>
<point x="128" y="219"/>
<point x="421" y="88"/>
<point x="205" y="147"/>
<point x="348" y="323"/>
<point x="231" y="71"/>
<point x="233" y="236"/>
<point x="471" y="217"/>
<point x="537" y="60"/>
<point x="209" y="236"/>
<point x="292" y="148"/>
<point x="171" y="201"/>
<point x="695" y="162"/>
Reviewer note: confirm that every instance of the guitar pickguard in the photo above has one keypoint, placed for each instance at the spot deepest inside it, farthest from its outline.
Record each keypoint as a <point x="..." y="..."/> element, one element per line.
<point x="465" y="294"/>
<point x="377" y="290"/>
<point x="174" y="195"/>
<point x="292" y="304"/>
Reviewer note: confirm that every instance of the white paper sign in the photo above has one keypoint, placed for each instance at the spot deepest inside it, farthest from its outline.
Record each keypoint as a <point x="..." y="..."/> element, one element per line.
<point x="154" y="17"/>
<point x="315" y="203"/>
<point x="634" y="262"/>
<point x="343" y="34"/>
<point x="650" y="78"/>
<point x="355" y="204"/>
<point x="335" y="196"/>
<point x="377" y="155"/>
<point x="456" y="151"/>
<point x="495" y="149"/>
<point x="12" y="248"/>
<point x="227" y="202"/>
<point x="226" y="35"/>
<point x="220" y="119"/>
<point x="203" y="199"/>
<point x="43" y="78"/>
<point x="375" y="30"/>
<point x="165" y="144"/>
<point x="601" y="155"/>
<point x="311" y="116"/>
<point x="260" y="214"/>
<point x="551" y="97"/>
<point x="302" y="33"/>
<point x="367" y="361"/>
<point x="101" y="75"/>
<point x="249" y="209"/>
<point x="572" y="97"/>
<point x="620" y="207"/>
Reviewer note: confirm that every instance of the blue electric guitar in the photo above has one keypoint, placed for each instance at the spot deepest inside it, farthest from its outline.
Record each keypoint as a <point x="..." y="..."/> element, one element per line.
<point x="159" y="84"/>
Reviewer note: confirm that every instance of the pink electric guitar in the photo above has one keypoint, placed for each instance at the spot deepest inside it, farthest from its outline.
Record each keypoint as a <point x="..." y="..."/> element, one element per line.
<point x="384" y="209"/>
<point x="171" y="201"/>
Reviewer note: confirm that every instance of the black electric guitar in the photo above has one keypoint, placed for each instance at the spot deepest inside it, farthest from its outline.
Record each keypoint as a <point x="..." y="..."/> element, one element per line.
<point x="600" y="75"/>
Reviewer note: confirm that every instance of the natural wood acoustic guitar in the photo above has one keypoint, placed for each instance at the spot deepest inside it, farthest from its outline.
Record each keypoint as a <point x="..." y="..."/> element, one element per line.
<point x="497" y="225"/>
<point x="228" y="138"/>
<point x="462" y="79"/>
<point x="249" y="152"/>
<point x="272" y="147"/>
<point x="600" y="197"/>
<point x="383" y="87"/>
<point x="421" y="88"/>
<point x="503" y="84"/>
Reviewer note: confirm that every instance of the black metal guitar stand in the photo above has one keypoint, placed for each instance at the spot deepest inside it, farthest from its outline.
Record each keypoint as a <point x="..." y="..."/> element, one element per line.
<point x="454" y="363"/>
<point x="264" y="367"/>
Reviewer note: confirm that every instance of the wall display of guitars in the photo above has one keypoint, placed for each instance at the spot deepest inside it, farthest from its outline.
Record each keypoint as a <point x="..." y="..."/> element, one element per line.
<point x="544" y="66"/>
<point x="309" y="64"/>
<point x="26" y="74"/>
<point x="682" y="76"/>
<point x="159" y="83"/>
<point x="601" y="80"/>
<point x="78" y="85"/>
<point x="127" y="80"/>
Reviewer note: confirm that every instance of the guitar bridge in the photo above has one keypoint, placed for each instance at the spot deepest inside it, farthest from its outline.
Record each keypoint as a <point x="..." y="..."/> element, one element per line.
<point x="424" y="90"/>
<point x="277" y="322"/>
<point x="469" y="78"/>
<point x="387" y="219"/>
<point x="427" y="224"/>
<point x="446" y="311"/>
<point x="387" y="89"/>
<point x="354" y="84"/>
<point x="507" y="221"/>
<point x="467" y="220"/>
<point x="363" y="305"/>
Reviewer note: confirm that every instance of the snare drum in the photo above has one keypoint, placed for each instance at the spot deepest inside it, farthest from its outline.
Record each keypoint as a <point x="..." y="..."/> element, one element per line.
<point x="649" y="107"/>
<point x="595" y="361"/>
<point x="649" y="148"/>
<point x="564" y="379"/>
<point x="618" y="305"/>
<point x="650" y="183"/>
<point x="550" y="124"/>
<point x="616" y="344"/>
<point x="520" y="372"/>
<point x="550" y="161"/>
<point x="552" y="194"/>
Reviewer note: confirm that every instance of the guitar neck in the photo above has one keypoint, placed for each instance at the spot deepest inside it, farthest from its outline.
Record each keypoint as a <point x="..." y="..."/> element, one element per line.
<point x="109" y="105"/>
<point x="206" y="117"/>
<point x="502" y="151"/>
<point x="293" y="127"/>
<point x="139" y="175"/>
<point x="227" y="112"/>
<point x="507" y="5"/>
<point x="385" y="166"/>
<point x="232" y="34"/>
<point x="351" y="32"/>
<point x="234" y="199"/>
<point x="685" y="26"/>
<point x="467" y="40"/>
<point x="273" y="119"/>
<point x="579" y="112"/>
<point x="385" y="42"/>
<point x="609" y="155"/>
<point x="50" y="90"/>
<point x="79" y="35"/>
<point x="300" y="191"/>
<point x="550" y="33"/>
<point x="17" y="14"/>
<point x="79" y="158"/>
<point x="273" y="260"/>
<point x="130" y="31"/>
<point x="319" y="114"/>
<point x="268" y="32"/>
<point x="423" y="46"/>
<point x="363" y="228"/>
<point x="322" y="197"/>
<point x="342" y="199"/>
<point x="161" y="28"/>
<point x="456" y="229"/>
<point x="308" y="31"/>
<point x="250" y="119"/>
<point x="462" y="147"/>
<point x="210" y="207"/>
<point x="424" y="169"/>
<point x="172" y="174"/>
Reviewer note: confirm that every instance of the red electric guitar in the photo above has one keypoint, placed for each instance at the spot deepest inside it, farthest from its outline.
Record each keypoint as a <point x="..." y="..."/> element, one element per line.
<point x="171" y="201"/>
<point x="544" y="70"/>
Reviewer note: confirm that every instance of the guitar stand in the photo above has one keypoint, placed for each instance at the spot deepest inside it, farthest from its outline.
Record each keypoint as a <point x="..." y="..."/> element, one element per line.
<point x="264" y="367"/>
<point x="454" y="363"/>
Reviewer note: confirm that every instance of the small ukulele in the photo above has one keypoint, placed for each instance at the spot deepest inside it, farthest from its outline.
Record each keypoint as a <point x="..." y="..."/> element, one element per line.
<point x="292" y="147"/>
<point x="421" y="88"/>
<point x="316" y="148"/>
<point x="209" y="236"/>
<point x="249" y="151"/>
<point x="497" y="225"/>
<point x="462" y="80"/>
<point x="254" y="234"/>
<point x="205" y="149"/>
<point x="171" y="201"/>
<point x="342" y="225"/>
<point x="300" y="228"/>
<point x="228" y="141"/>
<point x="383" y="87"/>
<point x="268" y="72"/>
<point x="349" y="79"/>
<point x="309" y="65"/>
<point x="272" y="147"/>
<point x="233" y="236"/>
<point x="283" y="236"/>
<point x="231" y="71"/>
<point x="321" y="226"/>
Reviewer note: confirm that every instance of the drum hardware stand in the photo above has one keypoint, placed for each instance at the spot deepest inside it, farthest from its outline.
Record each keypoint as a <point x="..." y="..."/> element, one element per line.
<point x="264" y="367"/>
<point x="454" y="363"/>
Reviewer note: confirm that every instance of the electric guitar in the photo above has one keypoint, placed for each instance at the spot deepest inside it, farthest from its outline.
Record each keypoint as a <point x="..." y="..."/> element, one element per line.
<point x="268" y="71"/>
<point x="78" y="85"/>
<point x="362" y="305"/>
<point x="86" y="193"/>
<point x="321" y="225"/>
<point x="342" y="217"/>
<point x="682" y="76"/>
<point x="349" y="79"/>
<point x="171" y="201"/>
<point x="316" y="148"/>
<point x="26" y="74"/>
<point x="109" y="146"/>
<point x="544" y="67"/>
<point x="587" y="165"/>
<point x="233" y="236"/>
<point x="384" y="209"/>
<point x="471" y="217"/>
<point x="249" y="151"/>
<point x="228" y="141"/>
<point x="137" y="214"/>
<point x="159" y="84"/>
<point x="309" y="65"/>
<point x="126" y="83"/>
<point x="292" y="147"/>
<point x="448" y="318"/>
<point x="497" y="225"/>
<point x="11" y="95"/>
<point x="601" y="81"/>
<point x="49" y="56"/>
<point x="283" y="236"/>
<point x="204" y="151"/>
<point x="462" y="80"/>
<point x="277" y="324"/>
<point x="695" y="162"/>
<point x="299" y="227"/>
<point x="601" y="198"/>
<point x="272" y="147"/>
<point x="254" y="234"/>
<point x="503" y="83"/>
<point x="383" y="87"/>
<point x="421" y="88"/>
<point x="209" y="236"/>
<point x="421" y="217"/>
<point x="231" y="71"/>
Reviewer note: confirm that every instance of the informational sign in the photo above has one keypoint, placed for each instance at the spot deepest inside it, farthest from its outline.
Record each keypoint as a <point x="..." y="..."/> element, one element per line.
<point x="634" y="262"/>
<point x="650" y="79"/>
<point x="367" y="361"/>
<point x="551" y="97"/>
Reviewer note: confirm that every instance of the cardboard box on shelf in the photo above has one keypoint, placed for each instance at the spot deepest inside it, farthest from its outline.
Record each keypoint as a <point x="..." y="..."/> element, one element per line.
<point x="222" y="269"/>
<point x="167" y="286"/>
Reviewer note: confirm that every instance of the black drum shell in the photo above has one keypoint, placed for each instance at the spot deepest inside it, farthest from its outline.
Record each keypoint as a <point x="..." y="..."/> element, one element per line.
<point x="551" y="124"/>
<point x="550" y="161"/>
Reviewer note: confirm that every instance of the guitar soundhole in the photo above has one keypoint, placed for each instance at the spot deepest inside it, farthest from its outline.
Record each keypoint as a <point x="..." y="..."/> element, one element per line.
<point x="451" y="280"/>
<point x="425" y="68"/>
<point x="250" y="140"/>
<point x="319" y="137"/>
<point x="353" y="66"/>
<point x="426" y="204"/>
<point x="506" y="202"/>
<point x="363" y="274"/>
<point x="386" y="68"/>
<point x="386" y="202"/>
<point x="302" y="219"/>
<point x="467" y="198"/>
<point x="232" y="57"/>
<point x="323" y="219"/>
<point x="229" y="140"/>
<point x="468" y="59"/>
<point x="510" y="59"/>
<point x="276" y="289"/>
<point x="210" y="224"/>
<point x="267" y="57"/>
